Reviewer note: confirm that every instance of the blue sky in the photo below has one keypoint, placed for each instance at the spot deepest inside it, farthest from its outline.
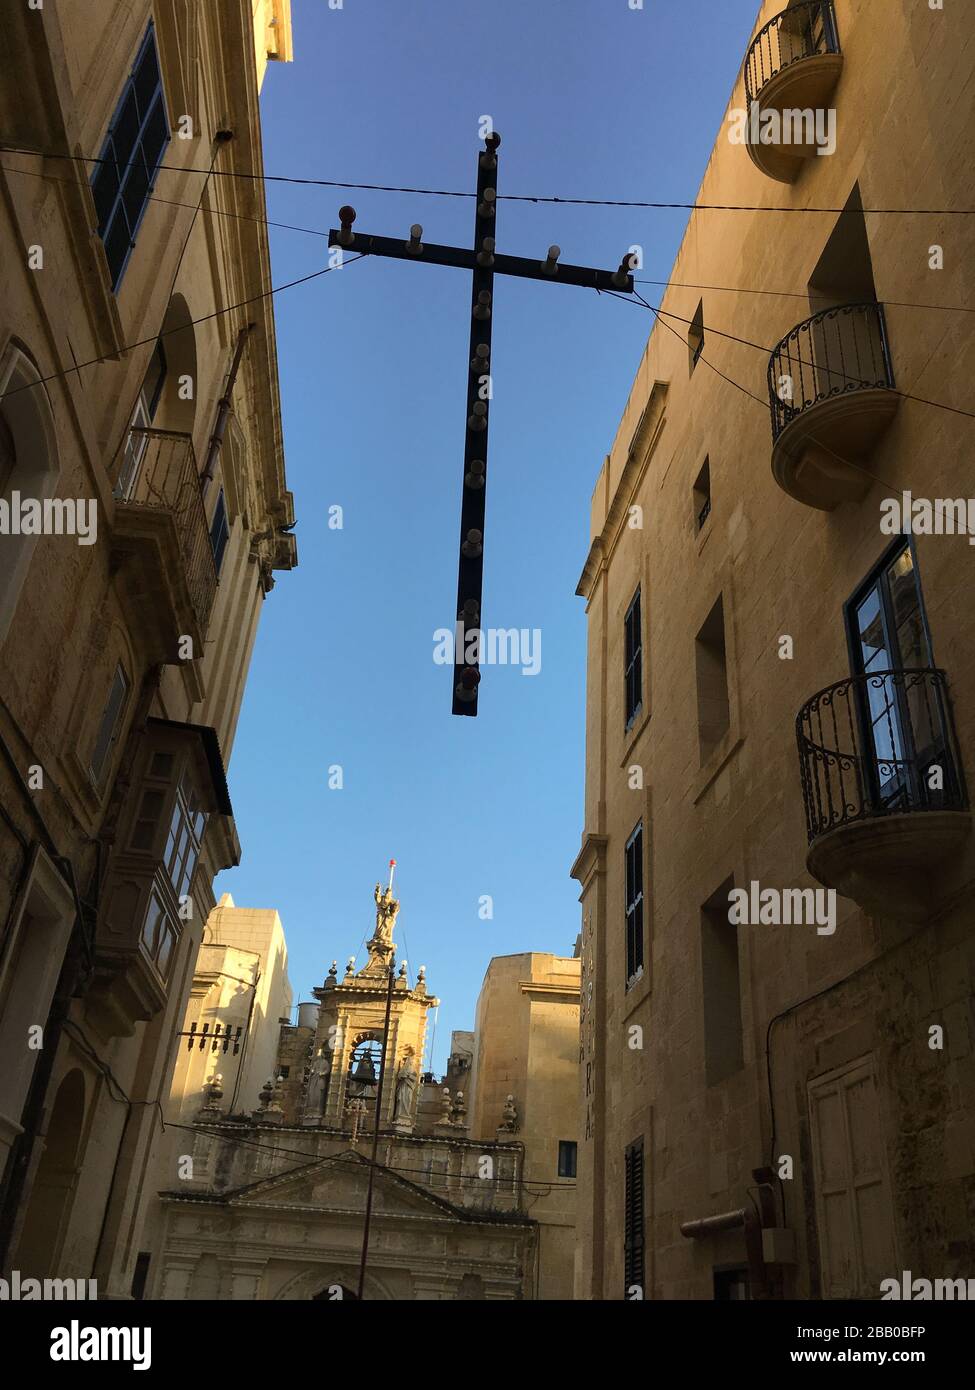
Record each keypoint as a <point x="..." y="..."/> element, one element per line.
<point x="592" y="99"/>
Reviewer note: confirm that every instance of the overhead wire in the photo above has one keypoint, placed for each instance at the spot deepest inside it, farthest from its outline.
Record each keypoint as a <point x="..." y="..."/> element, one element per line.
<point x="507" y="197"/>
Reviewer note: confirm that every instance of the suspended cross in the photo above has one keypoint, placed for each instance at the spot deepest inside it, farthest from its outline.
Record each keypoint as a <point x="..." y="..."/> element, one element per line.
<point x="483" y="263"/>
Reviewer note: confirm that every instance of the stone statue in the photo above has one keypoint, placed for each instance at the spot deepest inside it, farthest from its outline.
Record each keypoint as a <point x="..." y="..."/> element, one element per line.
<point x="318" y="1077"/>
<point x="386" y="910"/>
<point x="406" y="1086"/>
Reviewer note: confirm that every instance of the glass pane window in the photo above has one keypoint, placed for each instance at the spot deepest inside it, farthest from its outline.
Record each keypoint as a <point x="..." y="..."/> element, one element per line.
<point x="634" y="905"/>
<point x="219" y="531"/>
<point x="109" y="728"/>
<point x="900" y="719"/>
<point x="158" y="936"/>
<point x="150" y="809"/>
<point x="123" y="179"/>
<point x="633" y="659"/>
<point x="184" y="839"/>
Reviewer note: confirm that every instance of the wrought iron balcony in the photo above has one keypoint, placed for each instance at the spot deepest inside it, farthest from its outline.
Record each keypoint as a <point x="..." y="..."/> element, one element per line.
<point x="793" y="63"/>
<point x="883" y="787"/>
<point x="162" y="541"/>
<point x="832" y="394"/>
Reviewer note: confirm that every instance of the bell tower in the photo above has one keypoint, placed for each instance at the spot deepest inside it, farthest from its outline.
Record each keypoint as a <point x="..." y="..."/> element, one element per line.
<point x="341" y="1083"/>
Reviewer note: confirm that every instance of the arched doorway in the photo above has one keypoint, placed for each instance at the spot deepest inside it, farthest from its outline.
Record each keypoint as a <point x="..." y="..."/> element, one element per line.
<point x="29" y="464"/>
<point x="52" y="1194"/>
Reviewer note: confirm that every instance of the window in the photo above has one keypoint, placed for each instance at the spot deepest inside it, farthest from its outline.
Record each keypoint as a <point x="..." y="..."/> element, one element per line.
<point x="109" y="729"/>
<point x="721" y="988"/>
<point x="568" y="1148"/>
<point x="37" y="936"/>
<point x="633" y="1235"/>
<point x="219" y="530"/>
<point x="158" y="936"/>
<point x="140" y="1275"/>
<point x="634" y="906"/>
<point x="122" y="182"/>
<point x="713" y="710"/>
<point x="184" y="839"/>
<point x="8" y="456"/>
<point x="29" y="466"/>
<point x="633" y="660"/>
<point x="695" y="337"/>
<point x="702" y="496"/>
<point x="902" y="722"/>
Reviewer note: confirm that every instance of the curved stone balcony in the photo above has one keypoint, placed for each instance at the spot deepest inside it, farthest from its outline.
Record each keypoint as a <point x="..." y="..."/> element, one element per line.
<point x="793" y="65"/>
<point x="883" y="789"/>
<point x="832" y="395"/>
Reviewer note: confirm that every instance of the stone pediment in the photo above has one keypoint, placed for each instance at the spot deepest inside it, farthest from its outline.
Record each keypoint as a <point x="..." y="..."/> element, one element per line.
<point x="339" y="1183"/>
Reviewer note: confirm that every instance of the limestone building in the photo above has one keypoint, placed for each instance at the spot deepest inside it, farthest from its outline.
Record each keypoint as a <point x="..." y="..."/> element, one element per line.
<point x="143" y="513"/>
<point x="466" y="1203"/>
<point x="526" y="1061"/>
<point x="778" y="1098"/>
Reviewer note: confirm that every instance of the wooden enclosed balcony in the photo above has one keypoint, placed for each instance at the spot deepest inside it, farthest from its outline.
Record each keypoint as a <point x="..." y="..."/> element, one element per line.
<point x="792" y="67"/>
<point x="161" y="542"/>
<point x="832" y="395"/>
<point x="883" y="789"/>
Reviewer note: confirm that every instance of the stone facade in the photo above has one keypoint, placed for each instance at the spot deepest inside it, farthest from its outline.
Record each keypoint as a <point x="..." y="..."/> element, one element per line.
<point x="130" y="383"/>
<point x="285" y="1219"/>
<point x="468" y="1200"/>
<point x="527" y="1048"/>
<point x="826" y="1074"/>
<point x="272" y="1205"/>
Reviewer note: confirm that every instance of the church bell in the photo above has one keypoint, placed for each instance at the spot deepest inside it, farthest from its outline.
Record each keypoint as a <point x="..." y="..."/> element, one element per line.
<point x="365" y="1072"/>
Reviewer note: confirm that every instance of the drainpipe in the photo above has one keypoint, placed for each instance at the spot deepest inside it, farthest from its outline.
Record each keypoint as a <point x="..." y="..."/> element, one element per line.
<point x="223" y="410"/>
<point x="748" y="1218"/>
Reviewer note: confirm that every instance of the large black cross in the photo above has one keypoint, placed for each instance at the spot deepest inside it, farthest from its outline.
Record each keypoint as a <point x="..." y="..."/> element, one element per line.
<point x="483" y="263"/>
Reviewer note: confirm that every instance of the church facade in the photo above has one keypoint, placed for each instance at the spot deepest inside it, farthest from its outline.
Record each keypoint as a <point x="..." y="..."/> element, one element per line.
<point x="268" y="1201"/>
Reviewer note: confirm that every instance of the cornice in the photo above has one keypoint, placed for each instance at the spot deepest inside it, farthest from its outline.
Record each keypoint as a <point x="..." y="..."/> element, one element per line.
<point x="642" y="446"/>
<point x="591" y="858"/>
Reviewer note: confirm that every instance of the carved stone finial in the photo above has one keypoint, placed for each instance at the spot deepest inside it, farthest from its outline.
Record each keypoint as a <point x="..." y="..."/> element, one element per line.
<point x="446" y="1105"/>
<point x="459" y="1110"/>
<point x="332" y="975"/>
<point x="509" y="1117"/>
<point x="274" y="1113"/>
<point x="212" y="1096"/>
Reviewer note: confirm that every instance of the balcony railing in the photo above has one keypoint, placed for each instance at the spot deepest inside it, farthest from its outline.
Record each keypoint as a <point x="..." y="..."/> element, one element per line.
<point x="833" y="353"/>
<point x="878" y="745"/>
<point x="158" y="473"/>
<point x="803" y="31"/>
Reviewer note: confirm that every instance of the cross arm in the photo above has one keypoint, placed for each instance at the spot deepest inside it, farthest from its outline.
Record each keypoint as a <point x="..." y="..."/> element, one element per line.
<point x="465" y="259"/>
